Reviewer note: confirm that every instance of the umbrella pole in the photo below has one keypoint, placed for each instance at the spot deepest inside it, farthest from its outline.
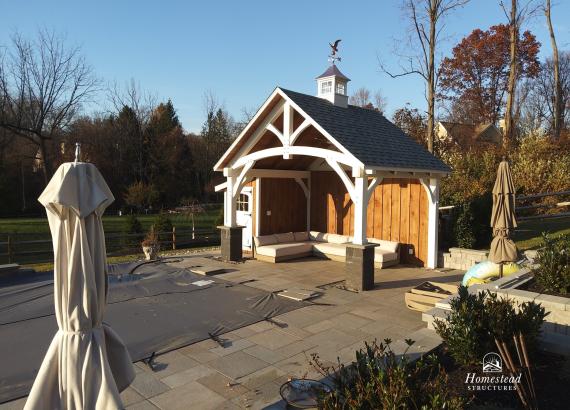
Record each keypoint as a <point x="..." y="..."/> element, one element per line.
<point x="500" y="270"/>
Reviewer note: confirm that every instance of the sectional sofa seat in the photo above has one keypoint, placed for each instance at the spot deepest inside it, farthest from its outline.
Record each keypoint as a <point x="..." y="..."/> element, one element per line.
<point x="292" y="245"/>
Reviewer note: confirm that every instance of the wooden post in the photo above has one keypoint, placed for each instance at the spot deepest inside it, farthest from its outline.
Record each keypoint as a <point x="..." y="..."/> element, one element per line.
<point x="173" y="238"/>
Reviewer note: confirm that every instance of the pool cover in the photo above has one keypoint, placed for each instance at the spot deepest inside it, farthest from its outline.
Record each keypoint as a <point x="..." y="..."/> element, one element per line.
<point x="157" y="309"/>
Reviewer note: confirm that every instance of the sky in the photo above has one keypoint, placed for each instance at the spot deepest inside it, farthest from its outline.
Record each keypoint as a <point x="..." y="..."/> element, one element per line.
<point x="241" y="50"/>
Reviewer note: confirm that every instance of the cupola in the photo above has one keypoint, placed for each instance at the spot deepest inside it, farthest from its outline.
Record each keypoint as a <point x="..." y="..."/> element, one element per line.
<point x="332" y="84"/>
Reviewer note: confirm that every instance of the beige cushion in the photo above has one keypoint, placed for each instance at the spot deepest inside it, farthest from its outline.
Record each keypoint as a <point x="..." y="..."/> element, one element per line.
<point x="382" y="255"/>
<point x="264" y="240"/>
<point x="318" y="236"/>
<point x="301" y="236"/>
<point x="328" y="248"/>
<point x="285" y="237"/>
<point x="285" y="249"/>
<point x="334" y="238"/>
<point x="386" y="245"/>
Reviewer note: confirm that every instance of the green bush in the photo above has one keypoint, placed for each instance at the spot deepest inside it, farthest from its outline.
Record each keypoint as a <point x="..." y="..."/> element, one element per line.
<point x="463" y="233"/>
<point x="162" y="225"/>
<point x="477" y="319"/>
<point x="220" y="218"/>
<point x="133" y="226"/>
<point x="553" y="258"/>
<point x="466" y="331"/>
<point x="381" y="380"/>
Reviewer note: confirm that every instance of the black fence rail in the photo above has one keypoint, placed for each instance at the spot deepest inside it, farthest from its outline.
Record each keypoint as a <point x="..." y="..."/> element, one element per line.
<point x="21" y="248"/>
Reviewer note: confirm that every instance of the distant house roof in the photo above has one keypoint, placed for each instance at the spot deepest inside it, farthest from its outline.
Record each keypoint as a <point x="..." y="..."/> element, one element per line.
<point x="333" y="71"/>
<point x="468" y="134"/>
<point x="368" y="135"/>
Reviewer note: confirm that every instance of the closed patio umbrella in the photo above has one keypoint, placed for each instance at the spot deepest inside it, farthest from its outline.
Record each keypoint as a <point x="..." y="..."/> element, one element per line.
<point x="86" y="364"/>
<point x="503" y="220"/>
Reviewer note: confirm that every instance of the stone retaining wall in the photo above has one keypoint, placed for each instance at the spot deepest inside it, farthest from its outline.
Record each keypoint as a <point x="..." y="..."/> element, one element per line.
<point x="462" y="258"/>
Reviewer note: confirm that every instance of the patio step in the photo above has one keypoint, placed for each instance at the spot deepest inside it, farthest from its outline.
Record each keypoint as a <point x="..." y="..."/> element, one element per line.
<point x="432" y="314"/>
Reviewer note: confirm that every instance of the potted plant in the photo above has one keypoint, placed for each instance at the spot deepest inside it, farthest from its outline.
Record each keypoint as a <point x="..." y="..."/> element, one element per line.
<point x="151" y="245"/>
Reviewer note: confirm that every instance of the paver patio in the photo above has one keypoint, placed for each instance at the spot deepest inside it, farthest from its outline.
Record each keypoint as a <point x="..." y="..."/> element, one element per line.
<point x="257" y="359"/>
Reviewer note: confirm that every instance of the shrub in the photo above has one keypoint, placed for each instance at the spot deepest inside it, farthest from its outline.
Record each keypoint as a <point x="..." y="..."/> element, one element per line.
<point x="463" y="226"/>
<point x="220" y="218"/>
<point x="553" y="258"/>
<point x="466" y="331"/>
<point x="381" y="380"/>
<point x="476" y="319"/>
<point x="133" y="226"/>
<point x="162" y="226"/>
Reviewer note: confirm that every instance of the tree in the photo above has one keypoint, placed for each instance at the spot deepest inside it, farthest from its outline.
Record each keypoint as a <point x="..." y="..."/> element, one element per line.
<point x="540" y="105"/>
<point x="141" y="195"/>
<point x="362" y="98"/>
<point x="412" y="122"/>
<point x="43" y="84"/>
<point x="515" y="17"/>
<point x="426" y="18"/>
<point x="558" y="116"/>
<point x="476" y="75"/>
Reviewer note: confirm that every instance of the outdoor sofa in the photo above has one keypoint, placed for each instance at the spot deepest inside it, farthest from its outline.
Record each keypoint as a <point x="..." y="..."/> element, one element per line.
<point x="292" y="245"/>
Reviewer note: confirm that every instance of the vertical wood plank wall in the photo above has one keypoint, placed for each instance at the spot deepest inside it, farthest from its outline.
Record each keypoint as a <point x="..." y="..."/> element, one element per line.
<point x="397" y="211"/>
<point x="287" y="203"/>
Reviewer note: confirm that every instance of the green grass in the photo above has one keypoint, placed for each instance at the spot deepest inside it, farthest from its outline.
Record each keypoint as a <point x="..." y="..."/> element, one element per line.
<point x="31" y="227"/>
<point x="528" y="234"/>
<point x="22" y="230"/>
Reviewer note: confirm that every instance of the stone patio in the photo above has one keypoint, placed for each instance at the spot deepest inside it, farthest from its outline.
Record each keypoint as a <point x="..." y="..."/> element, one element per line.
<point x="256" y="360"/>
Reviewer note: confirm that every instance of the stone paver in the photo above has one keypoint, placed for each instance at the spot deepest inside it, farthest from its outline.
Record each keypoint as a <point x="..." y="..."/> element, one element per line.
<point x="237" y="364"/>
<point x="257" y="359"/>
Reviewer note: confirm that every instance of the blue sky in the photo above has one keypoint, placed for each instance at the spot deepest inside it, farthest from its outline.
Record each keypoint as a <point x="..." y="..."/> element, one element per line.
<point x="241" y="50"/>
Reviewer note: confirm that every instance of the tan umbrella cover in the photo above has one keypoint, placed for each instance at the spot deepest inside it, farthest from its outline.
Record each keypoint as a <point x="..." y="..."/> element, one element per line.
<point x="503" y="249"/>
<point x="86" y="364"/>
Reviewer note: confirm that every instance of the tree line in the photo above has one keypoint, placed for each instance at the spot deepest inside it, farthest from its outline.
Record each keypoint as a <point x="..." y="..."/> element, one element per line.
<point x="138" y="143"/>
<point x="493" y="75"/>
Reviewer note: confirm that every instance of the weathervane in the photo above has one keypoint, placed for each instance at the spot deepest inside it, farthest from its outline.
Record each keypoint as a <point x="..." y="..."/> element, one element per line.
<point x="333" y="58"/>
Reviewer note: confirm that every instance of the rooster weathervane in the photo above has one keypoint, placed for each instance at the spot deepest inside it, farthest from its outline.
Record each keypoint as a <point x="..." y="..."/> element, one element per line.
<point x="333" y="57"/>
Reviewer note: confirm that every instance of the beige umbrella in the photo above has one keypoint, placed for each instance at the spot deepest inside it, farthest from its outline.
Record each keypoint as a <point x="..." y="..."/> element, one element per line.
<point x="503" y="249"/>
<point x="86" y="364"/>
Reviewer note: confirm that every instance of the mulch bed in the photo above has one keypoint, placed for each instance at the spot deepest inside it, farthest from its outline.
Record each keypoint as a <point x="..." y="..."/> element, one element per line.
<point x="551" y="375"/>
<point x="534" y="286"/>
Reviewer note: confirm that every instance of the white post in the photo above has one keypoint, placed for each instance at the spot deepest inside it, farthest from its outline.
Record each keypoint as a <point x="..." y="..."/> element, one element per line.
<point x="309" y="205"/>
<point x="359" y="201"/>
<point x="229" y="200"/>
<point x="433" y="222"/>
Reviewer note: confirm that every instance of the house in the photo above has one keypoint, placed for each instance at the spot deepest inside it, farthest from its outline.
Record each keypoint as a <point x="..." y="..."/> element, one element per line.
<point x="469" y="135"/>
<point x="316" y="163"/>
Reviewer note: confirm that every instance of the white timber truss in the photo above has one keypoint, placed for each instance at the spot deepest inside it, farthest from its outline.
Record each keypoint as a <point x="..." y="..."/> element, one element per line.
<point x="239" y="161"/>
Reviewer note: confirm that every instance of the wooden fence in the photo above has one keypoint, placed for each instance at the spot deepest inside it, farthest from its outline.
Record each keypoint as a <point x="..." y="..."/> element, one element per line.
<point x="18" y="248"/>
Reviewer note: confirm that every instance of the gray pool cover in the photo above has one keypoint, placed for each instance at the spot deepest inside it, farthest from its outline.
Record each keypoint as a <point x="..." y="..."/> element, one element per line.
<point x="155" y="310"/>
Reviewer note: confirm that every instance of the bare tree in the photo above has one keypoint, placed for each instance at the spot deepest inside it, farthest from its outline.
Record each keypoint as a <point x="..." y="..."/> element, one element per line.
<point x="363" y="98"/>
<point x="516" y="17"/>
<point x="558" y="117"/>
<point x="140" y="105"/>
<point x="42" y="87"/>
<point x="425" y="18"/>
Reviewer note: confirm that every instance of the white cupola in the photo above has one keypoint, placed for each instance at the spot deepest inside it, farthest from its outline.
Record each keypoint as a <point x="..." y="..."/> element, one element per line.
<point x="332" y="86"/>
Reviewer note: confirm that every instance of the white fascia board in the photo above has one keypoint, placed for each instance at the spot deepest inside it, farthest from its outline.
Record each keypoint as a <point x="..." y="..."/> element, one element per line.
<point x="259" y="112"/>
<point x="319" y="128"/>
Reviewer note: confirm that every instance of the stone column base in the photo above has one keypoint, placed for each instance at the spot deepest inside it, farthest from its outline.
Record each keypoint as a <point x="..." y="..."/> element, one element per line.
<point x="359" y="267"/>
<point x="231" y="243"/>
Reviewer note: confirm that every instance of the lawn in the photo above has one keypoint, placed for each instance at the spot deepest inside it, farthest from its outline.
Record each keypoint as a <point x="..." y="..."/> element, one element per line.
<point x="528" y="234"/>
<point x="21" y="231"/>
<point x="111" y="224"/>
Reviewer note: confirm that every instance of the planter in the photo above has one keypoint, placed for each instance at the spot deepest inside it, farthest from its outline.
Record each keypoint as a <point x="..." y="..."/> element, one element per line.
<point x="150" y="252"/>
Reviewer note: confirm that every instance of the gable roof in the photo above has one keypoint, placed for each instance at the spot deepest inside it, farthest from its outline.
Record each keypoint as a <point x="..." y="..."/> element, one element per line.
<point x="468" y="134"/>
<point x="368" y="135"/>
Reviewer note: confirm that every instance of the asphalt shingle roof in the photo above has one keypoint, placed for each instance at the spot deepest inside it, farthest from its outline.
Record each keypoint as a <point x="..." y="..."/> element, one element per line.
<point x="368" y="135"/>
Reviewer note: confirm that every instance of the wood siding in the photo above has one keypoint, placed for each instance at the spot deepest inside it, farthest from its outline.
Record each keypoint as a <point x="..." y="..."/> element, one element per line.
<point x="397" y="211"/>
<point x="287" y="203"/>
